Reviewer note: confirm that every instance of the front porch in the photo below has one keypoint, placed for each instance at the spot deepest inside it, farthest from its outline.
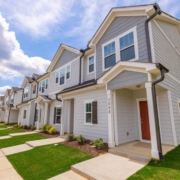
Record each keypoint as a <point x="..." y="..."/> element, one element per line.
<point x="137" y="150"/>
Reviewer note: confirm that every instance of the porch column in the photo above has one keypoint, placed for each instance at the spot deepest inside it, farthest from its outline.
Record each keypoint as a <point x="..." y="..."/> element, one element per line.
<point x="69" y="114"/>
<point x="46" y="113"/>
<point x="38" y="107"/>
<point x="154" y="147"/>
<point x="62" y="119"/>
<point x="111" y="141"/>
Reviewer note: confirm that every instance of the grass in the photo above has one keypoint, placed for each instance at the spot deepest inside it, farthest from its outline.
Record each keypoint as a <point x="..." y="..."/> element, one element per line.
<point x="9" y="131"/>
<point x="19" y="140"/>
<point x="47" y="161"/>
<point x="161" y="170"/>
<point x="7" y="125"/>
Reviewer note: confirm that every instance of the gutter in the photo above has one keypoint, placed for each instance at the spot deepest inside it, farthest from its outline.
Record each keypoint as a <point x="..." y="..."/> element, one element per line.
<point x="58" y="98"/>
<point x="157" y="12"/>
<point x="163" y="70"/>
<point x="83" y="52"/>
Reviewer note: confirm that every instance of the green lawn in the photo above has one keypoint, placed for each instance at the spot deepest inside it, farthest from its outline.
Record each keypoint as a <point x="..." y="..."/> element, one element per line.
<point x="19" y="140"/>
<point x="6" y="125"/>
<point x="9" y="131"/>
<point x="44" y="162"/>
<point x="161" y="170"/>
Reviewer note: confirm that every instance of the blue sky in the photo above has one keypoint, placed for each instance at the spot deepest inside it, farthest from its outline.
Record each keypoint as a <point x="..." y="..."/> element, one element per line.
<point x="31" y="31"/>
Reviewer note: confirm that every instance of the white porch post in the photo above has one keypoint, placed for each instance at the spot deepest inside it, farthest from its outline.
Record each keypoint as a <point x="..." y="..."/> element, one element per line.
<point x="38" y="107"/>
<point x="111" y="141"/>
<point x="69" y="114"/>
<point x="62" y="118"/>
<point x="46" y="113"/>
<point x="154" y="147"/>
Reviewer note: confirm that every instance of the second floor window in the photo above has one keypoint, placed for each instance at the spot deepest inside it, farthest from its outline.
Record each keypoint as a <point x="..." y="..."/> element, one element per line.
<point x="34" y="89"/>
<point x="68" y="72"/>
<point x="26" y="90"/>
<point x="109" y="55"/>
<point x="12" y="98"/>
<point x="62" y="76"/>
<point x="57" y="77"/>
<point x="40" y="86"/>
<point x="91" y="64"/>
<point x="46" y="83"/>
<point x="43" y="86"/>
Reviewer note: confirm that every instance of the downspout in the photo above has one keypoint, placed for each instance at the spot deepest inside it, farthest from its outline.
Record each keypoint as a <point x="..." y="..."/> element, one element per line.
<point x="157" y="11"/>
<point x="163" y="70"/>
<point x="80" y="63"/>
<point x="58" y="98"/>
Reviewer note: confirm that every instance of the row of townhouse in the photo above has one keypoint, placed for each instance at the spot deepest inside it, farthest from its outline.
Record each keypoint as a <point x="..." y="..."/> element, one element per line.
<point x="105" y="91"/>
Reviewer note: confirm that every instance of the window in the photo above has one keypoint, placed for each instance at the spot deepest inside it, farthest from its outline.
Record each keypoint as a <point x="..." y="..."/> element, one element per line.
<point x="24" y="115"/>
<point x="40" y="84"/>
<point x="26" y="90"/>
<point x="68" y="72"/>
<point x="34" y="89"/>
<point x="57" y="77"/>
<point x="46" y="83"/>
<point x="127" y="50"/>
<point x="88" y="113"/>
<point x="57" y="115"/>
<point x="109" y="55"/>
<point x="91" y="64"/>
<point x="62" y="76"/>
<point x="43" y="86"/>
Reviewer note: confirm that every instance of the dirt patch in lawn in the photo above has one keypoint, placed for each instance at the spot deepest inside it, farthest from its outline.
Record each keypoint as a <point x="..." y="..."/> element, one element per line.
<point x="50" y="135"/>
<point x="87" y="148"/>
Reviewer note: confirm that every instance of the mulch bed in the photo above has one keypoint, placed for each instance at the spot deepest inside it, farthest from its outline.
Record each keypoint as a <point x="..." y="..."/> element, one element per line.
<point x="87" y="148"/>
<point x="49" y="135"/>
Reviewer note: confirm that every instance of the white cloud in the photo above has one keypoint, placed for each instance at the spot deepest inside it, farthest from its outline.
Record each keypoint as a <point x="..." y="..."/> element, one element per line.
<point x="36" y="17"/>
<point x="3" y="90"/>
<point x="14" y="63"/>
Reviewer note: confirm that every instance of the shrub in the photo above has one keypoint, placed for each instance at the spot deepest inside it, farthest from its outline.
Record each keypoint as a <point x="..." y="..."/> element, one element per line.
<point x="52" y="130"/>
<point x="43" y="128"/>
<point x="70" y="137"/>
<point x="15" y="126"/>
<point x="99" y="143"/>
<point x="20" y="126"/>
<point x="1" y="121"/>
<point x="25" y="127"/>
<point x="32" y="128"/>
<point x="48" y="127"/>
<point x="80" y="139"/>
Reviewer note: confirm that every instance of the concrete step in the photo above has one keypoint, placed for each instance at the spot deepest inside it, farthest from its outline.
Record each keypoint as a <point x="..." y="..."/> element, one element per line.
<point x="130" y="155"/>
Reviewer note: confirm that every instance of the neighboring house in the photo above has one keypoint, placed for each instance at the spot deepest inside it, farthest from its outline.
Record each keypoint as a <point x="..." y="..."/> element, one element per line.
<point x="105" y="91"/>
<point x="1" y="107"/>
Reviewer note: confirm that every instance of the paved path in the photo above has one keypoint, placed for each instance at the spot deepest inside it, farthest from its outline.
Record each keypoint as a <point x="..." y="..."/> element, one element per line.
<point x="7" y="172"/>
<point x="15" y="149"/>
<point x="22" y="133"/>
<point x="5" y="137"/>
<point x="5" y="128"/>
<point x="43" y="142"/>
<point x="107" y="167"/>
<point x="69" y="175"/>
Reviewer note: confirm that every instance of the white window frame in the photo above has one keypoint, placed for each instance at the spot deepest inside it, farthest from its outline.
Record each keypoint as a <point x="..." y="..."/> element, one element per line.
<point x="89" y="101"/>
<point x="46" y="83"/>
<point x="27" y="87"/>
<point x="57" y="72"/>
<point x="41" y="84"/>
<point x="23" y="113"/>
<point x="69" y="72"/>
<point x="62" y="76"/>
<point x="33" y="89"/>
<point x="117" y="47"/>
<point x="89" y="64"/>
<point x="60" y="115"/>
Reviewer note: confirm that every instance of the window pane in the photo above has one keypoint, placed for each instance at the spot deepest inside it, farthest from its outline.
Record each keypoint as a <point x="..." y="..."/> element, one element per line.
<point x="88" y="107"/>
<point x="58" y="111"/>
<point x="110" y="61"/>
<point x="62" y="72"/>
<point x="58" y="119"/>
<point x="68" y="69"/>
<point x="61" y="80"/>
<point x="91" y="60"/>
<point x="109" y="49"/>
<point x="127" y="54"/>
<point x="127" y="40"/>
<point x="88" y="117"/>
<point x="68" y="75"/>
<point x="91" y="68"/>
<point x="57" y="80"/>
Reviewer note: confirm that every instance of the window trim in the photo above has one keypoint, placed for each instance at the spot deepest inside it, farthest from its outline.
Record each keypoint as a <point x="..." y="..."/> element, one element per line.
<point x="26" y="114"/>
<point x="69" y="72"/>
<point x="57" y="72"/>
<point x="88" y="73"/>
<point x="117" y="47"/>
<point x="87" y="102"/>
<point x="60" y="115"/>
<point x="24" y="94"/>
<point x="41" y="85"/>
<point x="34" y="90"/>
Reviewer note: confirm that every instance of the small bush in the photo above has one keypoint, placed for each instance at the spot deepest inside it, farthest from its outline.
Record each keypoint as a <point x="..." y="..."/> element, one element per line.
<point x="48" y="127"/>
<point x="25" y="127"/>
<point x="20" y="126"/>
<point x="52" y="130"/>
<point x="1" y="121"/>
<point x="43" y="128"/>
<point x="16" y="126"/>
<point x="80" y="139"/>
<point x="32" y="128"/>
<point x="99" y="143"/>
<point x="70" y="137"/>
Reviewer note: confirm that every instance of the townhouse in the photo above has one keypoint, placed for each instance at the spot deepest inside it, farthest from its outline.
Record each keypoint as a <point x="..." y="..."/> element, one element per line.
<point x="107" y="90"/>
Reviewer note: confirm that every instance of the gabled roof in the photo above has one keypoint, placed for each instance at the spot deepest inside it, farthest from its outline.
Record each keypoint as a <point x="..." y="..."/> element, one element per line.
<point x="58" y="54"/>
<point x="26" y="79"/>
<point x="36" y="76"/>
<point x="15" y="89"/>
<point x="42" y="97"/>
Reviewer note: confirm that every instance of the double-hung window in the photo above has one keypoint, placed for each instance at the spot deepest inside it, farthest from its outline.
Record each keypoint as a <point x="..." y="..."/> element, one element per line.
<point x="62" y="76"/>
<point x="34" y="89"/>
<point x="43" y="86"/>
<point x="91" y="64"/>
<point x="46" y="83"/>
<point x="57" y="77"/>
<point x="57" y="115"/>
<point x="127" y="47"/>
<point x="40" y="86"/>
<point x="24" y="114"/>
<point x="88" y="112"/>
<point x="109" y="55"/>
<point x="26" y="90"/>
<point x="68" y="68"/>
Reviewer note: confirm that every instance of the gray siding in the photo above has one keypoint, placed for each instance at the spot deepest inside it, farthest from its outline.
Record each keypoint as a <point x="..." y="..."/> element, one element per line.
<point x="127" y="78"/>
<point x="14" y="116"/>
<point x="86" y="76"/>
<point x="116" y="28"/>
<point x="94" y="131"/>
<point x="17" y="98"/>
<point x="65" y="57"/>
<point x="29" y="93"/>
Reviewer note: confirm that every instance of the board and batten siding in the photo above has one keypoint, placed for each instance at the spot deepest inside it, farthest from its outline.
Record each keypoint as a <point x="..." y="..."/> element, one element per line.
<point x="116" y="28"/>
<point x="167" y="55"/>
<point x="93" y="131"/>
<point x="127" y="78"/>
<point x="86" y="75"/>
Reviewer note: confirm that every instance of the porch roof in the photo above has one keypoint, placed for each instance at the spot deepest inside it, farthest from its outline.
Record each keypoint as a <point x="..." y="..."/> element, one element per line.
<point x="44" y="98"/>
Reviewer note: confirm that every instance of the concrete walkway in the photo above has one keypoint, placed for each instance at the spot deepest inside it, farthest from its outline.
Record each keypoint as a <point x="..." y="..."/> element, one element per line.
<point x="22" y="133"/>
<point x="5" y="128"/>
<point x="43" y="142"/>
<point x="5" y="137"/>
<point x="7" y="172"/>
<point x="107" y="167"/>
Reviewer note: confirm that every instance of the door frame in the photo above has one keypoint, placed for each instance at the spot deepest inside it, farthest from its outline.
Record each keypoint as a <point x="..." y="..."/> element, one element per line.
<point x="139" y="120"/>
